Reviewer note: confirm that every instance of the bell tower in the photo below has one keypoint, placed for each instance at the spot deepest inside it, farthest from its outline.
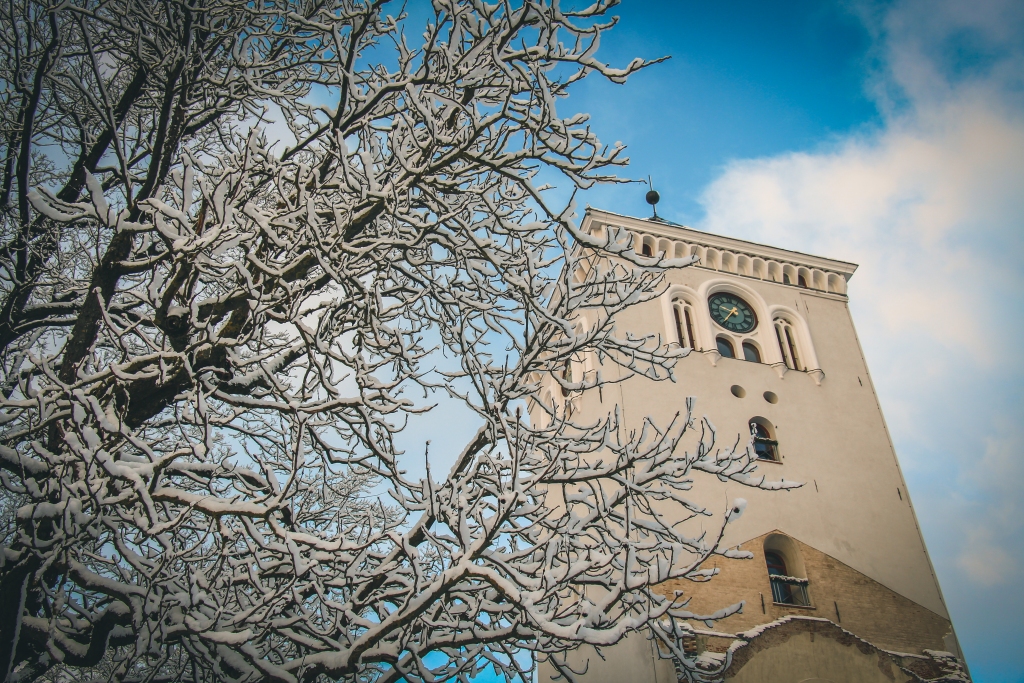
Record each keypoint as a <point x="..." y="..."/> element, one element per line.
<point x="775" y="358"/>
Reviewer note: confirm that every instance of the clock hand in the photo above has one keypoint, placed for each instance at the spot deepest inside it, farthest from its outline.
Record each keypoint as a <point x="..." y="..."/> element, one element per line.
<point x="731" y="313"/>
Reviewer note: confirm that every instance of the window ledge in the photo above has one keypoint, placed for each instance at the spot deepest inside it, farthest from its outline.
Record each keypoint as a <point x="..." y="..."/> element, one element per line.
<point x="786" y="604"/>
<point x="774" y="462"/>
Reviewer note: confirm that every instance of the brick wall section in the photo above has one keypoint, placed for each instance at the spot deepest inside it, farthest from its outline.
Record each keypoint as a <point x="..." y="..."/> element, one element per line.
<point x="865" y="607"/>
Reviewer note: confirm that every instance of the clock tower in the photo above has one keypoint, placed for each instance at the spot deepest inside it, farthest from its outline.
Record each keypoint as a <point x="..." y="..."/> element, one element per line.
<point x="840" y="579"/>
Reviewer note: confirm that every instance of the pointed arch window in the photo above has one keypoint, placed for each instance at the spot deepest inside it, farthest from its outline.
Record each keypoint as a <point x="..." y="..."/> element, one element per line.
<point x="682" y="313"/>
<point x="786" y="335"/>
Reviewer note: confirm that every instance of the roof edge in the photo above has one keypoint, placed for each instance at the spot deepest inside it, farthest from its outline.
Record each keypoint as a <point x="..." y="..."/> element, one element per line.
<point x="673" y="230"/>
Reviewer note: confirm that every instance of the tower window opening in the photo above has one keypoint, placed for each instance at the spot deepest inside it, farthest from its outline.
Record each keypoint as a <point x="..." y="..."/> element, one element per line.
<point x="765" y="445"/>
<point x="567" y="376"/>
<point x="786" y="279"/>
<point x="680" y="337"/>
<point x="647" y="247"/>
<point x="787" y="344"/>
<point x="786" y="590"/>
<point x="725" y="347"/>
<point x="751" y="353"/>
<point x="684" y="325"/>
<point x="802" y="281"/>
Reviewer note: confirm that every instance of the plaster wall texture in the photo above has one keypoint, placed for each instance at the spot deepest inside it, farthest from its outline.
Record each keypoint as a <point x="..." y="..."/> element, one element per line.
<point x="854" y="505"/>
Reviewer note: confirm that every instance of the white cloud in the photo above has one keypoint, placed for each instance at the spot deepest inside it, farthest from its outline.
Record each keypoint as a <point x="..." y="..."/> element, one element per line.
<point x="912" y="204"/>
<point x="985" y="561"/>
<point x="931" y="204"/>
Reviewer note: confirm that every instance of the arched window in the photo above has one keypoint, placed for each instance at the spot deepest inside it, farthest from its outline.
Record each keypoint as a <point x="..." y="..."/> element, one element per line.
<point x="802" y="281"/>
<point x="786" y="279"/>
<point x="725" y="347"/>
<point x="647" y="247"/>
<point x="567" y="376"/>
<point x="787" y="344"/>
<point x="751" y="353"/>
<point x="683" y="314"/>
<point x="786" y="588"/>
<point x="776" y="565"/>
<point x="765" y="445"/>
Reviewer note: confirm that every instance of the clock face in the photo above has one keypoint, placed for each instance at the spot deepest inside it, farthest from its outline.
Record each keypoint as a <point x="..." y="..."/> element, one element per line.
<point x="732" y="312"/>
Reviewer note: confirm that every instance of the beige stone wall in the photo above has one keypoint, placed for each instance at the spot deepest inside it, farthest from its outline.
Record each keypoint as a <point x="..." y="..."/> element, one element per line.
<point x="838" y="592"/>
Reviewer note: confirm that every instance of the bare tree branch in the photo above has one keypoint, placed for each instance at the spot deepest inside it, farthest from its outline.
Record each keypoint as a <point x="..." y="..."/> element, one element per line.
<point x="212" y="343"/>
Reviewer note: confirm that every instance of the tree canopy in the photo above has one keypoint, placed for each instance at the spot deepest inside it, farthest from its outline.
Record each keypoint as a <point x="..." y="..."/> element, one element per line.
<point x="233" y="236"/>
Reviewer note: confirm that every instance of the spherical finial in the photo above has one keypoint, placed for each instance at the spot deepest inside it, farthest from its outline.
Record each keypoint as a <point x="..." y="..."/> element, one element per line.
<point x="653" y="197"/>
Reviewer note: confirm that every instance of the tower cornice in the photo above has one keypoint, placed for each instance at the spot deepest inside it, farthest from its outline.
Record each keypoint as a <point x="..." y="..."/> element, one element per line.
<point x="595" y="218"/>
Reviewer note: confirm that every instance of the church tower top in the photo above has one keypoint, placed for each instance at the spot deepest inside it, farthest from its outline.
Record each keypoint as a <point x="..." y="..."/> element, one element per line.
<point x="727" y="254"/>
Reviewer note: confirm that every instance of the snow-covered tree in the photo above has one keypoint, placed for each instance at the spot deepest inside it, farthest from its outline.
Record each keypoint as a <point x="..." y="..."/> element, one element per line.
<point x="210" y="341"/>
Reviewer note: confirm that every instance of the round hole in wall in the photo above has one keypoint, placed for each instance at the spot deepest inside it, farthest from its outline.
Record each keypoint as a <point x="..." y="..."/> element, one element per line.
<point x="771" y="397"/>
<point x="738" y="391"/>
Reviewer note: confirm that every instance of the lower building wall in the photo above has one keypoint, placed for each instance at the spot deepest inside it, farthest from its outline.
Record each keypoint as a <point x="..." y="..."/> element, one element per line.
<point x="807" y="659"/>
<point x="791" y="650"/>
<point x="855" y="630"/>
<point x="837" y="592"/>
<point x="809" y="650"/>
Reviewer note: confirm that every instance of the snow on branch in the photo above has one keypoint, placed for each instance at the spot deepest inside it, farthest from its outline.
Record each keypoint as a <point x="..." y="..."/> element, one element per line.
<point x="216" y="324"/>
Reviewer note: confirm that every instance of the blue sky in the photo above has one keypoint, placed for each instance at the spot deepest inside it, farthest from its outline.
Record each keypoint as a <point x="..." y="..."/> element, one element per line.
<point x="890" y="135"/>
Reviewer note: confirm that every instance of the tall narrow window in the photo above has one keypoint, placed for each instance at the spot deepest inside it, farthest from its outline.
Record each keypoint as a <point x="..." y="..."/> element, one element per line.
<point x="680" y="337"/>
<point x="725" y="347"/>
<point x="786" y="279"/>
<point x="646" y="249"/>
<point x="802" y="281"/>
<point x="683" y="314"/>
<point x="567" y="376"/>
<point x="751" y="353"/>
<point x="688" y="315"/>
<point x="792" y="348"/>
<point x="786" y="335"/>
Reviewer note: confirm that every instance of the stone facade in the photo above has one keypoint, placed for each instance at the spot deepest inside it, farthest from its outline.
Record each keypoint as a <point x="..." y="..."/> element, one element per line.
<point x="837" y="592"/>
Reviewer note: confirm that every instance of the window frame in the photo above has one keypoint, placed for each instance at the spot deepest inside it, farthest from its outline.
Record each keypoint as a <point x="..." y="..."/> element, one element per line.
<point x="567" y="377"/>
<point x="682" y="316"/>
<point x="748" y="344"/>
<point x="768" y="442"/>
<point x="722" y="339"/>
<point x="787" y="590"/>
<point x="785" y="335"/>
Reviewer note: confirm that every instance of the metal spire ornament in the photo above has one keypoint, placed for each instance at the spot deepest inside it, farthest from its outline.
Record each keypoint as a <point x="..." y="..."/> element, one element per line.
<point x="653" y="198"/>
